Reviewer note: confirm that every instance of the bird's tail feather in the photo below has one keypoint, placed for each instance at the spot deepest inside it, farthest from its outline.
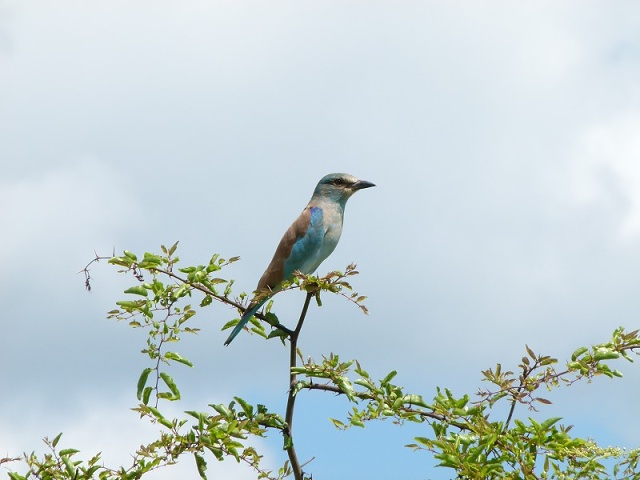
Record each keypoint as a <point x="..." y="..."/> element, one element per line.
<point x="245" y="318"/>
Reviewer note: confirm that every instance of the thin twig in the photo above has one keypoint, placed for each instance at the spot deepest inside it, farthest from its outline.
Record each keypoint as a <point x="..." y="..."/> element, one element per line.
<point x="523" y="378"/>
<point x="169" y="273"/>
<point x="367" y="396"/>
<point x="222" y="298"/>
<point x="85" y="270"/>
<point x="291" y="400"/>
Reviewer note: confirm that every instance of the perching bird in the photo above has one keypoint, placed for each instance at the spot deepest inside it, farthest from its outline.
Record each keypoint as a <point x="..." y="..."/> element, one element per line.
<point x="308" y="241"/>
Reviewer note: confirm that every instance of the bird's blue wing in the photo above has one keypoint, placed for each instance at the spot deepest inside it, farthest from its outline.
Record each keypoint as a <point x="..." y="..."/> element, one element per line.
<point x="307" y="246"/>
<point x="295" y="250"/>
<point x="299" y="249"/>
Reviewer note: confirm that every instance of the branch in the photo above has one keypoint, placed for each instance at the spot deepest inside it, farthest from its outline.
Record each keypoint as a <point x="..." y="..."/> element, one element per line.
<point x="221" y="298"/>
<point x="585" y="363"/>
<point x="291" y="400"/>
<point x="85" y="270"/>
<point x="367" y="396"/>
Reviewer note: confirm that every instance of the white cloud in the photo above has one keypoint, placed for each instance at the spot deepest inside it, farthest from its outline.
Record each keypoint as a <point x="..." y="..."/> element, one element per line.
<point x="497" y="134"/>
<point x="606" y="169"/>
<point x="114" y="430"/>
<point x="53" y="209"/>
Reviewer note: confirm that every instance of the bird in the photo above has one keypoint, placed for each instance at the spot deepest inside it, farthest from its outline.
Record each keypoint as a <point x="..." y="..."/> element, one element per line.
<point x="309" y="240"/>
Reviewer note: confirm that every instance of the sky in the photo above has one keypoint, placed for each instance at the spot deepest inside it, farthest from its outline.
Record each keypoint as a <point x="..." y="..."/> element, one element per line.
<point x="503" y="139"/>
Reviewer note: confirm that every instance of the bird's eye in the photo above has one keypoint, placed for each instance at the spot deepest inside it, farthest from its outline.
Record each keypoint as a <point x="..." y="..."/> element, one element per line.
<point x="338" y="182"/>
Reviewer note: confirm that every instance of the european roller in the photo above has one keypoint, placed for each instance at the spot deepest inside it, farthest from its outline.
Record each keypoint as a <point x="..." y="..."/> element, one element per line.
<point x="308" y="241"/>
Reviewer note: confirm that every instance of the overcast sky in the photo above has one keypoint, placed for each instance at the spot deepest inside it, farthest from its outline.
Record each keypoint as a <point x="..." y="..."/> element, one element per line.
<point x="504" y="139"/>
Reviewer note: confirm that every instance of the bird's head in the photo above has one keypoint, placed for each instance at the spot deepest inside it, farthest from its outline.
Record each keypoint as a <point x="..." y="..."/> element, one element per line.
<point x="339" y="186"/>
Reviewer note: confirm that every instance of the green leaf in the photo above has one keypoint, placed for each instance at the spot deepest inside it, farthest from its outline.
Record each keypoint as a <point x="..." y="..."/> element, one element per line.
<point x="259" y="330"/>
<point x="389" y="377"/>
<point x="121" y="261"/>
<point x="171" y="384"/>
<point x="337" y="423"/>
<point x="364" y="383"/>
<point x="130" y="255"/>
<point x="221" y="409"/>
<point x="68" y="452"/>
<point x="246" y="407"/>
<point x="202" y="465"/>
<point x="137" y="290"/>
<point x="230" y="323"/>
<point x="424" y="441"/>
<point x="160" y="418"/>
<point x="146" y="394"/>
<point x="605" y="354"/>
<point x="69" y="466"/>
<point x="415" y="400"/>
<point x="130" y="305"/>
<point x="56" y="440"/>
<point x="176" y="357"/>
<point x="272" y="319"/>
<point x="153" y="258"/>
<point x="277" y="333"/>
<point x="530" y="352"/>
<point x="576" y="366"/>
<point x="142" y="381"/>
<point x="357" y="423"/>
<point x="550" y="421"/>
<point x="173" y="248"/>
<point x="182" y="290"/>
<point x="345" y="385"/>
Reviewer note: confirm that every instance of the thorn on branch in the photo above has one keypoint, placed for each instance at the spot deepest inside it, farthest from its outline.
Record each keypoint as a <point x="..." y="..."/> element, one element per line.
<point x="85" y="270"/>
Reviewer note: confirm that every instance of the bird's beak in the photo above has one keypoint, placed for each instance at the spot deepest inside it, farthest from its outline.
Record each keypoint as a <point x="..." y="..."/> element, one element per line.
<point x="360" y="184"/>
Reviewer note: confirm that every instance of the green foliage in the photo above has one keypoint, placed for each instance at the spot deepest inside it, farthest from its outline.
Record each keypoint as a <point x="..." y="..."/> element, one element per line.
<point x="465" y="437"/>
<point x="470" y="435"/>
